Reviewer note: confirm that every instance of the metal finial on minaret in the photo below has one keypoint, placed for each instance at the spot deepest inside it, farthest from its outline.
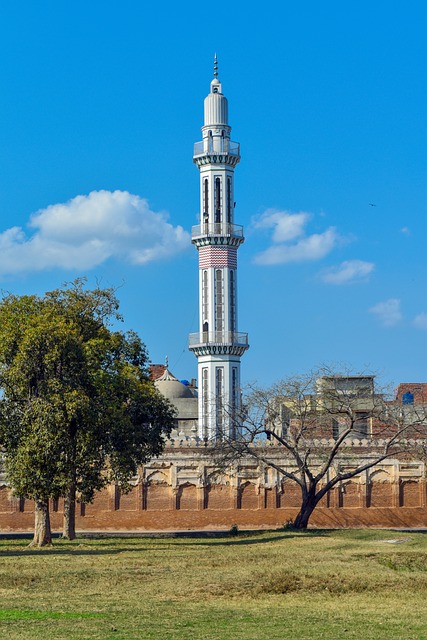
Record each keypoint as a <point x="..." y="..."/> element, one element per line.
<point x="215" y="66"/>
<point x="166" y="362"/>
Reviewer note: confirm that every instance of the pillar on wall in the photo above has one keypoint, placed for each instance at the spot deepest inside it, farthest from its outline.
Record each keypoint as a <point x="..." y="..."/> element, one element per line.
<point x="113" y="497"/>
<point x="200" y="497"/>
<point x="364" y="489"/>
<point x="139" y="495"/>
<point x="395" y="493"/>
<point x="144" y="490"/>
<point x="423" y="489"/>
<point x="174" y="498"/>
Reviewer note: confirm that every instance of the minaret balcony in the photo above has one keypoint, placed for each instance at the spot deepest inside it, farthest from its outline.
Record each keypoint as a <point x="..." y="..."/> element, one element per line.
<point x="218" y="342"/>
<point x="215" y="231"/>
<point x="216" y="151"/>
<point x="216" y="146"/>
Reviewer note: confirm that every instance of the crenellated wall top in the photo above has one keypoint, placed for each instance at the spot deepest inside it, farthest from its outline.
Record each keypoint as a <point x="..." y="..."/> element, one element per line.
<point x="186" y="442"/>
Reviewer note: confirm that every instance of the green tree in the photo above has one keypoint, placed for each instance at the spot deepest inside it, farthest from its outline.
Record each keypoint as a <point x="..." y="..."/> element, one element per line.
<point x="77" y="407"/>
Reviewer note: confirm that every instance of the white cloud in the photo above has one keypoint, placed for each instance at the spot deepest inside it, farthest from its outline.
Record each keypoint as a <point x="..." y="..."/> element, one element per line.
<point x="87" y="230"/>
<point x="288" y="227"/>
<point x="406" y="231"/>
<point x="420" y="321"/>
<point x="388" y="312"/>
<point x="348" y="272"/>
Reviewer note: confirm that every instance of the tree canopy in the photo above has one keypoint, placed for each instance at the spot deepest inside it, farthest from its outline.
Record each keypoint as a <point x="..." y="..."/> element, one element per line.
<point x="77" y="407"/>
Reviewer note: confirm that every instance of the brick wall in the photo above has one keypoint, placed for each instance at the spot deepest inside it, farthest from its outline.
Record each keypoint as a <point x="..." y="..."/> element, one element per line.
<point x="177" y="491"/>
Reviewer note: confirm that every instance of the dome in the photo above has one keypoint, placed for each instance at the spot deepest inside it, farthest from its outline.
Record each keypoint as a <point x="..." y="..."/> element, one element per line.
<point x="216" y="107"/>
<point x="171" y="388"/>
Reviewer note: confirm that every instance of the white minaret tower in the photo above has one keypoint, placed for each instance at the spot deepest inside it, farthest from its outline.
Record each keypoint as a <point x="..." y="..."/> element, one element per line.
<point x="218" y="345"/>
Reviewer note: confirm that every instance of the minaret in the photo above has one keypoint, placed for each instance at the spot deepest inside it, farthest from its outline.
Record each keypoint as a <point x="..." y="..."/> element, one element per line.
<point x="218" y="345"/>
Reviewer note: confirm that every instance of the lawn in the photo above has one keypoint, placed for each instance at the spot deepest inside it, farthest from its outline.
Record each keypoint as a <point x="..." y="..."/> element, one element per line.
<point x="358" y="584"/>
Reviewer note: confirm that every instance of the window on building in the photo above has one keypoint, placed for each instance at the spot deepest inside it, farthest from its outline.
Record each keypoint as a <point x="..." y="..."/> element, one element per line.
<point x="232" y="301"/>
<point x="285" y="419"/>
<point x="217" y="199"/>
<point x="205" y="297"/>
<point x="205" y="400"/>
<point x="408" y="398"/>
<point x="234" y="400"/>
<point x="361" y="425"/>
<point x="219" y="302"/>
<point x="234" y="386"/>
<point x="206" y="199"/>
<point x="362" y="386"/>
<point x="335" y="429"/>
<point x="220" y="400"/>
<point x="229" y="200"/>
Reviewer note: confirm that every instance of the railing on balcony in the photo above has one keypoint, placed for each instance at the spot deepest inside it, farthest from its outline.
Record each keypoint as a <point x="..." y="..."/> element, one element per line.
<point x="216" y="145"/>
<point x="234" y="338"/>
<point x="217" y="229"/>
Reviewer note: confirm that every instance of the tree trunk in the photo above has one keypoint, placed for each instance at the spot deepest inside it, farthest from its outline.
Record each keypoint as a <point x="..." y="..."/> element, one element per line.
<point x="42" y="531"/>
<point x="309" y="503"/>
<point x="69" y="524"/>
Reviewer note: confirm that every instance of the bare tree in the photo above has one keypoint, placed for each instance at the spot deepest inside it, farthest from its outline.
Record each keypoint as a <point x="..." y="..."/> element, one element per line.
<point x="315" y="420"/>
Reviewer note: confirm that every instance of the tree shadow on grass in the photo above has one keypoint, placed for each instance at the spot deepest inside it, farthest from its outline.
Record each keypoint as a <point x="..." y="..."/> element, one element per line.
<point x="199" y="539"/>
<point x="58" y="551"/>
<point x="250" y="538"/>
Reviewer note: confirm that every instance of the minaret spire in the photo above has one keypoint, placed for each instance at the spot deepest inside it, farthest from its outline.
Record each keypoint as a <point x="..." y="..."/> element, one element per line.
<point x="218" y="345"/>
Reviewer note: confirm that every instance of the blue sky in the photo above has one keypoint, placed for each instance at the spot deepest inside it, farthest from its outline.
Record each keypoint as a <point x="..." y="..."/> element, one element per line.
<point x="100" y="104"/>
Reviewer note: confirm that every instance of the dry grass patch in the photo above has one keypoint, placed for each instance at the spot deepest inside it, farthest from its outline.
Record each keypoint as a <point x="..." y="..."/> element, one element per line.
<point x="330" y="584"/>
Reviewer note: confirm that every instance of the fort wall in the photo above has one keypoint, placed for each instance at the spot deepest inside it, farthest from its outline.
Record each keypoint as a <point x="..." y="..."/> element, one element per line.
<point x="183" y="490"/>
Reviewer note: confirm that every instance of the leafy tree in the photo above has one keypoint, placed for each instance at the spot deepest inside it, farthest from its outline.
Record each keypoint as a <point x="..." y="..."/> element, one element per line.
<point x="314" y="419"/>
<point x="77" y="407"/>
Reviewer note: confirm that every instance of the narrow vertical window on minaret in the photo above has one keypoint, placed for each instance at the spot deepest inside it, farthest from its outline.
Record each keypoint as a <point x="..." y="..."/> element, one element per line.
<point x="206" y="197"/>
<point x="234" y="398"/>
<point x="220" y="399"/>
<point x="229" y="198"/>
<point x="205" y="297"/>
<point x="219" y="303"/>
<point x="232" y="302"/>
<point x="217" y="199"/>
<point x="205" y="400"/>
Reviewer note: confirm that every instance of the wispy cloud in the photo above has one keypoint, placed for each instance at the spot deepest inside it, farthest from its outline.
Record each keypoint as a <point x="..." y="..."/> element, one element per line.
<point x="290" y="242"/>
<point x="348" y="272"/>
<point x="388" y="312"/>
<point x="420" y="321"/>
<point x="88" y="230"/>
<point x="406" y="231"/>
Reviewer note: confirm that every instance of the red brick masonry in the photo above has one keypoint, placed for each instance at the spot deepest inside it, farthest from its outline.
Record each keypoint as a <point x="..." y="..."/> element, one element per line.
<point x="180" y="491"/>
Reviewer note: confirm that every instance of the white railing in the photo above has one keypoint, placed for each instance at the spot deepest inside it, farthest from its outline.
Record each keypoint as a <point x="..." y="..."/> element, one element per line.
<point x="218" y="337"/>
<point x="217" y="229"/>
<point x="215" y="145"/>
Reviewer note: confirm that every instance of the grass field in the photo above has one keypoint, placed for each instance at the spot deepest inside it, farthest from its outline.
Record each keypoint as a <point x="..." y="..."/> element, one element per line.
<point x="254" y="586"/>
